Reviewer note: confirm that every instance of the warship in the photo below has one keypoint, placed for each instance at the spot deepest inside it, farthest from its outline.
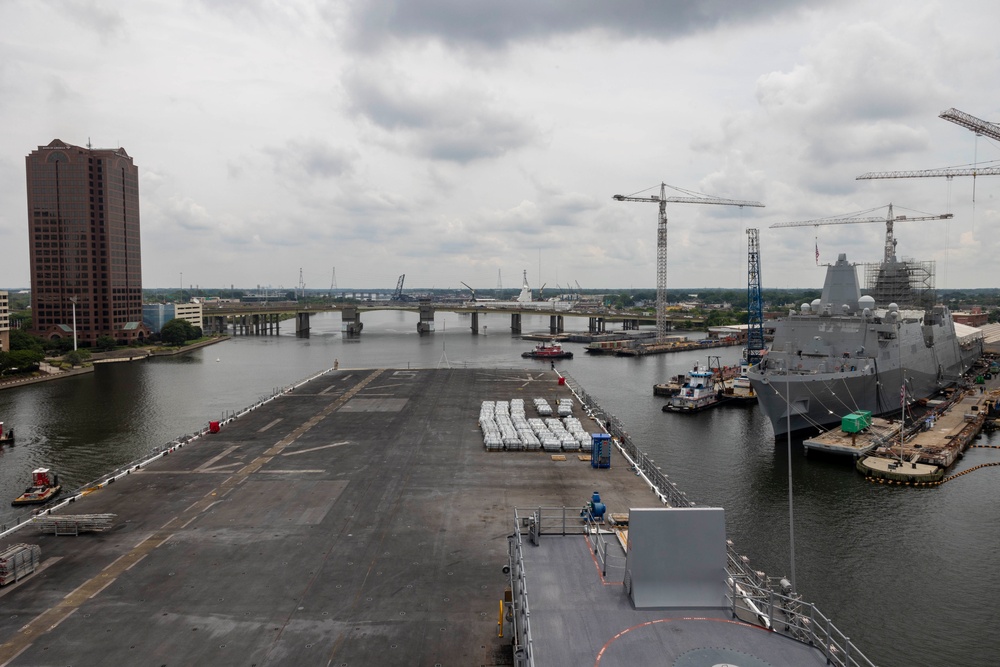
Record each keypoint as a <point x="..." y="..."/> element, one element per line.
<point x="846" y="352"/>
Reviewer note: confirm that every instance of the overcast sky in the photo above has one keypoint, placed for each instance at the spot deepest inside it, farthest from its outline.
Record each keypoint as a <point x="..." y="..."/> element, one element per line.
<point x="457" y="140"/>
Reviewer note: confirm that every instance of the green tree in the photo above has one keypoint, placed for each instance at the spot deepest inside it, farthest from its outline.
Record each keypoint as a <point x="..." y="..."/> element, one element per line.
<point x="177" y="332"/>
<point x="106" y="343"/>
<point x="22" y="340"/>
<point x="23" y="361"/>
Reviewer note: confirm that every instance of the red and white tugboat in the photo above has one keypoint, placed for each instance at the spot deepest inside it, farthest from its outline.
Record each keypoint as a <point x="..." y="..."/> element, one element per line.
<point x="44" y="487"/>
<point x="548" y="351"/>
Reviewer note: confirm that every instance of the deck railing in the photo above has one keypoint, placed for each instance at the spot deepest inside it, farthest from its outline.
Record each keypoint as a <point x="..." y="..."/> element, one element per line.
<point x="753" y="596"/>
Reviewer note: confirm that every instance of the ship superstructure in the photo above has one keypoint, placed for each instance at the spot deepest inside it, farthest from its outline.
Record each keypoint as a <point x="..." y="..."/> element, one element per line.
<point x="844" y="352"/>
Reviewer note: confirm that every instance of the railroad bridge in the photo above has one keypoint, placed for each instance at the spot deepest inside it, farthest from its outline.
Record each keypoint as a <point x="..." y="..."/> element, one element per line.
<point x="259" y="319"/>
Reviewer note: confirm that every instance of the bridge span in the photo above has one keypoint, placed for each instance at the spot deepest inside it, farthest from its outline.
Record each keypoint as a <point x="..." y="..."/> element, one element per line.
<point x="258" y="319"/>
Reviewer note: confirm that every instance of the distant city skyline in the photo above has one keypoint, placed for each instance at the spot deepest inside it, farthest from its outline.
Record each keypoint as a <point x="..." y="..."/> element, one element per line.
<point x="450" y="140"/>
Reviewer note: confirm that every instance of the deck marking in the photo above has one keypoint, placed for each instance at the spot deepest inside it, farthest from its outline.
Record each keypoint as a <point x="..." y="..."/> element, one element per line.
<point x="290" y="472"/>
<point x="56" y="614"/>
<point x="47" y="562"/>
<point x="223" y="468"/>
<point x="315" y="449"/>
<point x="225" y="453"/>
<point x="264" y="428"/>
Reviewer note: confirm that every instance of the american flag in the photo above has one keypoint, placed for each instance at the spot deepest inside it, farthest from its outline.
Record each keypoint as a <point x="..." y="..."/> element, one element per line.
<point x="902" y="396"/>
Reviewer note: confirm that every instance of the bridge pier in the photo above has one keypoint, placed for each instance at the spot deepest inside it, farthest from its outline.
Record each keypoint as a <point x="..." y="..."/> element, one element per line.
<point x="596" y="325"/>
<point x="302" y="324"/>
<point x="350" y="322"/>
<point x="555" y="324"/>
<point x="515" y="323"/>
<point x="475" y="324"/>
<point x="630" y="325"/>
<point x="426" y="322"/>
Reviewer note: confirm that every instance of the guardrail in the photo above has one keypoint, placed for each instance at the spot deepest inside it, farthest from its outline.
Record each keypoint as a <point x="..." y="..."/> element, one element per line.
<point x="753" y="595"/>
<point x="137" y="464"/>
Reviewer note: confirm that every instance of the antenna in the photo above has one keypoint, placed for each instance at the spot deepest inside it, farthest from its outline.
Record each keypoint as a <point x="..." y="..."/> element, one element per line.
<point x="499" y="285"/>
<point x="333" y="282"/>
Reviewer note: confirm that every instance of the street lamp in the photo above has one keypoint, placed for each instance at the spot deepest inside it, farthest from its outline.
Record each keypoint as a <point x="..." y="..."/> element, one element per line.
<point x="73" y="300"/>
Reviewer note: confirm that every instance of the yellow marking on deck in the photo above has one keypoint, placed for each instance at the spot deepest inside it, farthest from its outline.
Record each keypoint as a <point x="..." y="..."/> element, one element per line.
<point x="558" y="457"/>
<point x="55" y="615"/>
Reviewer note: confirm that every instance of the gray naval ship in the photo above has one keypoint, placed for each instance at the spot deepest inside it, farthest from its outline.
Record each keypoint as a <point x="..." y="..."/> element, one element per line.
<point x="844" y="352"/>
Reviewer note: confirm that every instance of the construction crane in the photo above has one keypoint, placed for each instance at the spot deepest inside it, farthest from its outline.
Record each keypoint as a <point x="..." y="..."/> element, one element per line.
<point x="755" y="302"/>
<point x="398" y="294"/>
<point x="471" y="290"/>
<point x="968" y="121"/>
<point x="946" y="172"/>
<point x="890" y="241"/>
<point x="661" y="240"/>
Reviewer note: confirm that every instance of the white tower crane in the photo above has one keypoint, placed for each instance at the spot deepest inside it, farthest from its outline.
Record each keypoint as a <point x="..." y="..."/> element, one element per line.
<point x="661" y="239"/>
<point x="890" y="241"/>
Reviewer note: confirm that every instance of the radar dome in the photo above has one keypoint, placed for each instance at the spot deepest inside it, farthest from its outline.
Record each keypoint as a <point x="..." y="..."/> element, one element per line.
<point x="866" y="302"/>
<point x="804" y="308"/>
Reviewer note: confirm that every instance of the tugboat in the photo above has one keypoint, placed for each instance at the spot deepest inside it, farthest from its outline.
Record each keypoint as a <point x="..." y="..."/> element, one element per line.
<point x="548" y="351"/>
<point x="44" y="487"/>
<point x="6" y="436"/>
<point x="701" y="390"/>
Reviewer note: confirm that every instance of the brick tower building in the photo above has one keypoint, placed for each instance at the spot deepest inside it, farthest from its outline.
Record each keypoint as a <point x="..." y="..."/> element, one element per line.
<point x="83" y="228"/>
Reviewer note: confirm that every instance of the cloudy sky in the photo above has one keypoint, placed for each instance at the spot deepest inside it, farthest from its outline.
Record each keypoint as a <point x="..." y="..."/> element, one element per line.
<point x="458" y="140"/>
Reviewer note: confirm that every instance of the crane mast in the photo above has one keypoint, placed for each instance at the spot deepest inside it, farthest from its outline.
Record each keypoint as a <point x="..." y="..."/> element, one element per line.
<point x="662" y="325"/>
<point x="755" y="302"/>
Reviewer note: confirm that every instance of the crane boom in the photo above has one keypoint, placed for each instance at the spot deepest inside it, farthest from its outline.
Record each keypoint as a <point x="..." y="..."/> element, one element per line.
<point x="930" y="173"/>
<point x="661" y="240"/>
<point x="970" y="122"/>
<point x="890" y="241"/>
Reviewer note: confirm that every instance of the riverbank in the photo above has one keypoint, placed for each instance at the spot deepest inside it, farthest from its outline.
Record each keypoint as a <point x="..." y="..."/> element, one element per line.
<point x="114" y="356"/>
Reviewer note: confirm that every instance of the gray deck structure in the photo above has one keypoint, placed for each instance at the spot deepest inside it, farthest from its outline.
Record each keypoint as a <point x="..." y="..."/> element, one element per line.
<point x="355" y="520"/>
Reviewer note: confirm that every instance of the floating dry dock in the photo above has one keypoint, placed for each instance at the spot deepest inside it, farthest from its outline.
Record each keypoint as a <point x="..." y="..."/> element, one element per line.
<point x="358" y="519"/>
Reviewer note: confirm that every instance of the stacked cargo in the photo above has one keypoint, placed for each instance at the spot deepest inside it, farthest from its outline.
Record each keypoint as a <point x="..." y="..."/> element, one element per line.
<point x="505" y="426"/>
<point x="575" y="428"/>
<point x="543" y="407"/>
<point x="18" y="561"/>
<point x="492" y="439"/>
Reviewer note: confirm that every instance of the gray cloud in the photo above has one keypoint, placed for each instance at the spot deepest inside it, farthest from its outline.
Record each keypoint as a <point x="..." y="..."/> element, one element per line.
<point x="493" y="25"/>
<point x="456" y="124"/>
<point x="314" y="158"/>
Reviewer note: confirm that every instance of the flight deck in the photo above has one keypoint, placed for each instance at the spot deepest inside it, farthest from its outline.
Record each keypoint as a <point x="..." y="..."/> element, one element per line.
<point x="357" y="519"/>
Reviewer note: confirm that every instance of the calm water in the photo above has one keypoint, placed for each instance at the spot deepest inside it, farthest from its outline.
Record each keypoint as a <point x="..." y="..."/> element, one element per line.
<point x="909" y="574"/>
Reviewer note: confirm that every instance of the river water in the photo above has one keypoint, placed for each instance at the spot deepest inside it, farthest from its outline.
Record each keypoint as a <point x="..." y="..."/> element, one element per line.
<point x="909" y="574"/>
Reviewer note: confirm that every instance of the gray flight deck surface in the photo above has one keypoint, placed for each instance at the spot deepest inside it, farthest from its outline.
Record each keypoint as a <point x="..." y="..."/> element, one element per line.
<point x="355" y="520"/>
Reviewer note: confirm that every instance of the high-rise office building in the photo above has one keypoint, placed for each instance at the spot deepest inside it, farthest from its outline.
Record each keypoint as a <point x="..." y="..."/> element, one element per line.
<point x="83" y="228"/>
<point x="4" y="322"/>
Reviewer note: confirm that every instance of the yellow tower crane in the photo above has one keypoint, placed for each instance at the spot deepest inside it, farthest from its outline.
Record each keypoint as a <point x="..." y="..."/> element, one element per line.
<point x="661" y="239"/>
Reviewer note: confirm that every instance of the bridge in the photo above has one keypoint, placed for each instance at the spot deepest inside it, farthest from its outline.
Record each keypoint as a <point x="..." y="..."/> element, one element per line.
<point x="266" y="318"/>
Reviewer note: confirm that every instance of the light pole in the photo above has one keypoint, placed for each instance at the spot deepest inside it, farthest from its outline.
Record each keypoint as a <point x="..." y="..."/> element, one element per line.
<point x="73" y="301"/>
<point x="791" y="511"/>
